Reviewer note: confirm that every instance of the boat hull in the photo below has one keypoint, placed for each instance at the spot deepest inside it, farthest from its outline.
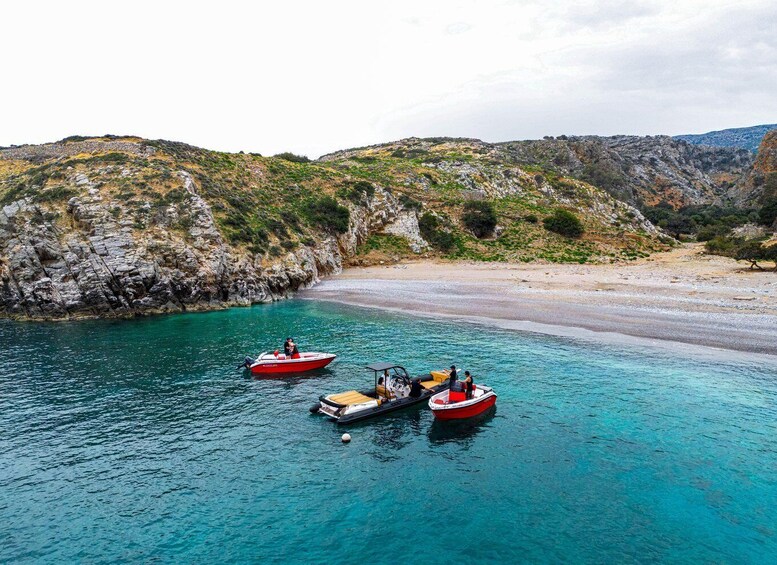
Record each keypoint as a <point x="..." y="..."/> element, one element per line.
<point x="291" y="366"/>
<point x="465" y="411"/>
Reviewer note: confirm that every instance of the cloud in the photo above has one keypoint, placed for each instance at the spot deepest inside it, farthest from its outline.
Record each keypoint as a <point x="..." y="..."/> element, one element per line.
<point x="459" y="27"/>
<point x="314" y="77"/>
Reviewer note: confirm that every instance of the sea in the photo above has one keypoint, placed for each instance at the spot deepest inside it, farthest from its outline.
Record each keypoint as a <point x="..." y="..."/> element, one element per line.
<point x="140" y="441"/>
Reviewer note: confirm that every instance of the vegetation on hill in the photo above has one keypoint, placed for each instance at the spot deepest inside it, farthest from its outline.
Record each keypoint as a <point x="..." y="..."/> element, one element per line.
<point x="702" y="221"/>
<point x="470" y="200"/>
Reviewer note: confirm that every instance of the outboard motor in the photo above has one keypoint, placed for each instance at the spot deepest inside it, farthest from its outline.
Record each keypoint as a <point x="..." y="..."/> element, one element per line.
<point x="246" y="363"/>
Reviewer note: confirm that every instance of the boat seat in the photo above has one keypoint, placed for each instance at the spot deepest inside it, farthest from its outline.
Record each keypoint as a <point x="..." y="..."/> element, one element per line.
<point x="350" y="397"/>
<point x="429" y="384"/>
<point x="381" y="391"/>
<point x="439" y="376"/>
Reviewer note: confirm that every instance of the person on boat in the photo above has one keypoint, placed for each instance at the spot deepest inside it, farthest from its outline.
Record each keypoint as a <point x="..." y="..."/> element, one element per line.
<point x="468" y="384"/>
<point x="287" y="346"/>
<point x="416" y="388"/>
<point x="295" y="351"/>
<point x="454" y="377"/>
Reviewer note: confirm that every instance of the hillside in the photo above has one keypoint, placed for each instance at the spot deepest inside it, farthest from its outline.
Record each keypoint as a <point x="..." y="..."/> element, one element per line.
<point x="744" y="138"/>
<point x="643" y="171"/>
<point x="117" y="226"/>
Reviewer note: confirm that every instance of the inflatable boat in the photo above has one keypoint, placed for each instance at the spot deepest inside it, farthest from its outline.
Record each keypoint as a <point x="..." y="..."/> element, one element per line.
<point x="277" y="363"/>
<point x="392" y="391"/>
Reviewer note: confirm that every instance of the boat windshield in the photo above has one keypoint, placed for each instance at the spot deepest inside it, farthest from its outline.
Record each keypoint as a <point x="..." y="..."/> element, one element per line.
<point x="388" y="375"/>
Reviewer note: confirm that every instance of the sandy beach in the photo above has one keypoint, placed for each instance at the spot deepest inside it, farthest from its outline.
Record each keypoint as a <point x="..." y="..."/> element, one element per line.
<point x="680" y="296"/>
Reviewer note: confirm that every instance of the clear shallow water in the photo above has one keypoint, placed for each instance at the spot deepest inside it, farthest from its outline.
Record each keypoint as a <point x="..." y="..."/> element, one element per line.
<point x="139" y="441"/>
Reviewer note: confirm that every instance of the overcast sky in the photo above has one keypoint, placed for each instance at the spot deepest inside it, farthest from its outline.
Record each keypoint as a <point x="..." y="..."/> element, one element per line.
<point x="313" y="77"/>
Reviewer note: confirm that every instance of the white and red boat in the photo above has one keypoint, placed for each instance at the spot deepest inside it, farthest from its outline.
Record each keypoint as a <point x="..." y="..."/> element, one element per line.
<point x="454" y="405"/>
<point x="277" y="363"/>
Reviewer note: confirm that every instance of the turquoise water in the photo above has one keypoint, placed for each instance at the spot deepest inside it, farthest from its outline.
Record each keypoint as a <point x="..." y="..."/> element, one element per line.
<point x="139" y="441"/>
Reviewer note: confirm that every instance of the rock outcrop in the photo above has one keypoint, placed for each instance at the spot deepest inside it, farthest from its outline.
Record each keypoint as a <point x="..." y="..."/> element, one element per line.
<point x="761" y="181"/>
<point x="642" y="170"/>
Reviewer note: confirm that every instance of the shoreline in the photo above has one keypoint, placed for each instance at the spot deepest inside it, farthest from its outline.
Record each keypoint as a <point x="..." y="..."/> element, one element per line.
<point x="675" y="298"/>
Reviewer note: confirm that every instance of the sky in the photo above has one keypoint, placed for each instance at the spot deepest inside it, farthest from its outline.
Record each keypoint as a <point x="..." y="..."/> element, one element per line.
<point x="313" y="77"/>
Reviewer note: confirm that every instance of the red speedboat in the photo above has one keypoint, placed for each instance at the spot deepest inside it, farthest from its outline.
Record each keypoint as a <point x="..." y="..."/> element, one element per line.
<point x="454" y="405"/>
<point x="278" y="363"/>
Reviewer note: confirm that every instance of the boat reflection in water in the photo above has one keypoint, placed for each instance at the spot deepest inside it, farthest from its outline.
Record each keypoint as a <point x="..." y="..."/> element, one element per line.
<point x="288" y="378"/>
<point x="460" y="431"/>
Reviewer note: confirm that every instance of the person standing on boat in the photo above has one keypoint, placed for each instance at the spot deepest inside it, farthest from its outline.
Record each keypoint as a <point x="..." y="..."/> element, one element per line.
<point x="287" y="347"/>
<point x="468" y="383"/>
<point x="294" y="351"/>
<point x="454" y="377"/>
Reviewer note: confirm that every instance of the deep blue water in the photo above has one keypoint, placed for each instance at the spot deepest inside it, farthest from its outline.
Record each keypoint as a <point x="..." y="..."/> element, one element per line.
<point x="140" y="441"/>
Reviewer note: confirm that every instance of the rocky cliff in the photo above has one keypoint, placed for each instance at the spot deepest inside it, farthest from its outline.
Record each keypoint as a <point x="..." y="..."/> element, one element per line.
<point x="760" y="183"/>
<point x="641" y="170"/>
<point x="117" y="226"/>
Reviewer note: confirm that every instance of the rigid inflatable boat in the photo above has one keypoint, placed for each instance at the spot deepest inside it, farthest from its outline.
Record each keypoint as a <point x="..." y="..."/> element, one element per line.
<point x="392" y="391"/>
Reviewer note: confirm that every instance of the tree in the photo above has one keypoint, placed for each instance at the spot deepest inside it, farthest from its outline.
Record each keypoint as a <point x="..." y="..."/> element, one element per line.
<point x="565" y="223"/>
<point x="479" y="217"/>
<point x="753" y="252"/>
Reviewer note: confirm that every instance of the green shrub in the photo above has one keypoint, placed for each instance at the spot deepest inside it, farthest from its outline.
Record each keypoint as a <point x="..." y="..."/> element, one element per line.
<point x="722" y="245"/>
<point x="409" y="203"/>
<point x="292" y="157"/>
<point x="531" y="218"/>
<point x="707" y="233"/>
<point x="479" y="217"/>
<point x="327" y="214"/>
<point x="678" y="224"/>
<point x="278" y="228"/>
<point x="565" y="223"/>
<point x="767" y="215"/>
<point x="356" y="192"/>
<point x="55" y="194"/>
<point x="431" y="230"/>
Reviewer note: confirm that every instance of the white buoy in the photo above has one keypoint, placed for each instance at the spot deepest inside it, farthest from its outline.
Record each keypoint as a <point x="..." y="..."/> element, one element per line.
<point x="346" y="438"/>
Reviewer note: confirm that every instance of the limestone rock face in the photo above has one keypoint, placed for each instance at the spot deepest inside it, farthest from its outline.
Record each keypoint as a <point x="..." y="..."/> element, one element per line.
<point x="761" y="182"/>
<point x="649" y="169"/>
<point x="101" y="266"/>
<point x="406" y="225"/>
